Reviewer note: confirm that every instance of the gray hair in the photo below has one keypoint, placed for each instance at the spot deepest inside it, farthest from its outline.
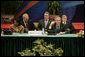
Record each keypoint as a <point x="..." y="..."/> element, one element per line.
<point x="64" y="16"/>
<point x="57" y="17"/>
<point x="24" y="14"/>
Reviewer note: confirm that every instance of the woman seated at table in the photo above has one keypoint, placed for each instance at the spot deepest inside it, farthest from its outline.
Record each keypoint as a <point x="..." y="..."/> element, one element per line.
<point x="17" y="27"/>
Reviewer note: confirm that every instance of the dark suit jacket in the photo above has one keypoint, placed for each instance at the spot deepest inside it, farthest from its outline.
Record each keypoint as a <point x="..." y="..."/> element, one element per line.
<point x="54" y="28"/>
<point x="67" y="26"/>
<point x="42" y="25"/>
<point x="30" y="25"/>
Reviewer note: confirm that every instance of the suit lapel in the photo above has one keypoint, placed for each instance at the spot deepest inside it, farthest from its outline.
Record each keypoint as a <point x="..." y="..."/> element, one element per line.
<point x="23" y="24"/>
<point x="43" y="23"/>
<point x="29" y="24"/>
<point x="48" y="24"/>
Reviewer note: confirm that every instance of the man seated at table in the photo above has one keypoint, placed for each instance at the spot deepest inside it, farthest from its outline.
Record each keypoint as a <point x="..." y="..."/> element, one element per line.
<point x="57" y="26"/>
<point x="44" y="23"/>
<point x="17" y="27"/>
<point x="27" y="23"/>
<point x="67" y="25"/>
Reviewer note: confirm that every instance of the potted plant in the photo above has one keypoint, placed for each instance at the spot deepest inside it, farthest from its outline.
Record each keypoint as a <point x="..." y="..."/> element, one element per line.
<point x="41" y="48"/>
<point x="53" y="7"/>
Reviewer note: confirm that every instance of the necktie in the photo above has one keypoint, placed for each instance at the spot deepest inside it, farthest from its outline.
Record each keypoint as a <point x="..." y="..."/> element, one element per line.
<point x="26" y="25"/>
<point x="58" y="29"/>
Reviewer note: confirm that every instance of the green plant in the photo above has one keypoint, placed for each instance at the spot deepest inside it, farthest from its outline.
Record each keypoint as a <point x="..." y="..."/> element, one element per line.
<point x="54" y="7"/>
<point x="43" y="49"/>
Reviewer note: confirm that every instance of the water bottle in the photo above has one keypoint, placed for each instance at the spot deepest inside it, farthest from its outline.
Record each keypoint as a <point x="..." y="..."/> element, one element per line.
<point x="42" y="30"/>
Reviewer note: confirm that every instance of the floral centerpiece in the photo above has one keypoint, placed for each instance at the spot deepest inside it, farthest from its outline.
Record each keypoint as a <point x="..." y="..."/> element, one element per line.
<point x="80" y="34"/>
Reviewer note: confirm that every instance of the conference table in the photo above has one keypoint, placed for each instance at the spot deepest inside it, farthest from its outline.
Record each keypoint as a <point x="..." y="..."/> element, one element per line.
<point x="70" y="43"/>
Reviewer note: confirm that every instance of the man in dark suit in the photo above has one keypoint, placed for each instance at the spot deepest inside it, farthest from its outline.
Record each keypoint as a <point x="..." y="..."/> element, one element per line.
<point x="67" y="26"/>
<point x="27" y="23"/>
<point x="56" y="27"/>
<point x="44" y="23"/>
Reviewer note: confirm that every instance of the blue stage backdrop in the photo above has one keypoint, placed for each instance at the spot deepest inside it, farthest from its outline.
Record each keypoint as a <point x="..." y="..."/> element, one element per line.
<point x="70" y="8"/>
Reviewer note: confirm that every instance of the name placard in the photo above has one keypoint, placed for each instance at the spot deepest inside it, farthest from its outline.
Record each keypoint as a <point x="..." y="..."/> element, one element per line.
<point x="35" y="33"/>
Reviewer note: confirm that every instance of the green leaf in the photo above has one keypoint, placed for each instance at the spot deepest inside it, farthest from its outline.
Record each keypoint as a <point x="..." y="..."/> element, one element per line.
<point x="52" y="7"/>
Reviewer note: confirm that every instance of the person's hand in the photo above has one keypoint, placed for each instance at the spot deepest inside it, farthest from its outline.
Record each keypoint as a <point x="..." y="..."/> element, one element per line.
<point x="16" y="30"/>
<point x="51" y="24"/>
<point x="62" y="33"/>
